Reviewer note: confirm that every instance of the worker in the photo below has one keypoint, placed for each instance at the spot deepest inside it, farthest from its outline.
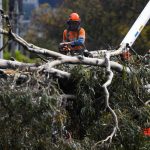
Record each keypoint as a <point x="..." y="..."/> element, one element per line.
<point x="73" y="36"/>
<point x="125" y="56"/>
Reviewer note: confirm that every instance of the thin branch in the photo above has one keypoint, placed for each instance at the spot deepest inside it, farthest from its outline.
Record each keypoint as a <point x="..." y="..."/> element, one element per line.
<point x="4" y="64"/>
<point x="105" y="85"/>
<point x="8" y="64"/>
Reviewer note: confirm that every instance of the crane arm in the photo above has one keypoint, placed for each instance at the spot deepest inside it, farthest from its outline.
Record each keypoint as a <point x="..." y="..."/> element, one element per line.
<point x="137" y="27"/>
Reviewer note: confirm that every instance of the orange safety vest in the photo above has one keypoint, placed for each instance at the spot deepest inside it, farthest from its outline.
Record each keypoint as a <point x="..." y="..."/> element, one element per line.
<point x="69" y="36"/>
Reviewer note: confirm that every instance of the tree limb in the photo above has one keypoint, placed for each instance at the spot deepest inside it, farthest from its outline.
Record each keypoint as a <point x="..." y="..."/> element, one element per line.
<point x="8" y="64"/>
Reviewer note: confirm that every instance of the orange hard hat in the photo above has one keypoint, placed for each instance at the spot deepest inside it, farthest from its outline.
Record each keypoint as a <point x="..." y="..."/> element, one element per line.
<point x="74" y="17"/>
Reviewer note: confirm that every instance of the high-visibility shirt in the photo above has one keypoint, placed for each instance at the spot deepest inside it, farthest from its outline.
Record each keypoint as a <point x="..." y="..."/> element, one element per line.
<point x="77" y="38"/>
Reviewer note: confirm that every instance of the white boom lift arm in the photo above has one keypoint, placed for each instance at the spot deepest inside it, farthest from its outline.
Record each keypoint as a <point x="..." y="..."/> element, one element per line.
<point x="137" y="27"/>
<point x="133" y="33"/>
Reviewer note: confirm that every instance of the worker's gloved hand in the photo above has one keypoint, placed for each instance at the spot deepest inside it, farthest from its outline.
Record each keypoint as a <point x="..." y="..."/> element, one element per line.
<point x="64" y="48"/>
<point x="125" y="56"/>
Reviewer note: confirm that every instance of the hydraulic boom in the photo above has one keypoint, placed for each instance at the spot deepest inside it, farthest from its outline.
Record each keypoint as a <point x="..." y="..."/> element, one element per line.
<point x="137" y="27"/>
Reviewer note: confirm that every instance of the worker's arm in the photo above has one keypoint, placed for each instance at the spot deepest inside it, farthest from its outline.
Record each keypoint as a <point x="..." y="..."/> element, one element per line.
<point x="78" y="42"/>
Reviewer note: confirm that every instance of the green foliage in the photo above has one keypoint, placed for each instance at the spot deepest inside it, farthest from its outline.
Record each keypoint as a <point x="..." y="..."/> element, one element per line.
<point x="5" y="5"/>
<point x="27" y="114"/>
<point x="30" y="112"/>
<point x="127" y="99"/>
<point x="20" y="57"/>
<point x="7" y="55"/>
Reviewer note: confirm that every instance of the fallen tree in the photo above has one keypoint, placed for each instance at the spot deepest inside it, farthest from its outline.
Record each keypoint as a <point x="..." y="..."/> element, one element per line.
<point x="64" y="101"/>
